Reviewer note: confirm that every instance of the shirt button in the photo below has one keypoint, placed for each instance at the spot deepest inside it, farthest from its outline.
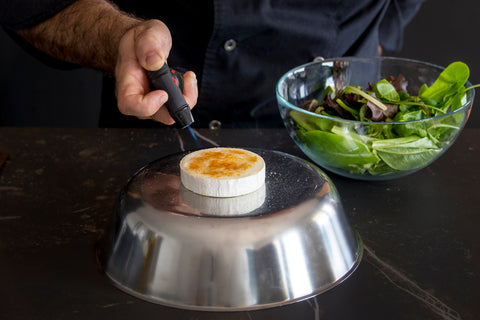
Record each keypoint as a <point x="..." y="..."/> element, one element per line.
<point x="214" y="125"/>
<point x="230" y="45"/>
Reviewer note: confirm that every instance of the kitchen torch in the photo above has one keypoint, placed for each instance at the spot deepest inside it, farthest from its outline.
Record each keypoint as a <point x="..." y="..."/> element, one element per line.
<point x="166" y="79"/>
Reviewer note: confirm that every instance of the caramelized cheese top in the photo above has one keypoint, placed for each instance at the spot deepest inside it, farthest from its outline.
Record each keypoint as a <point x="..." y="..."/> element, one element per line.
<point x="222" y="163"/>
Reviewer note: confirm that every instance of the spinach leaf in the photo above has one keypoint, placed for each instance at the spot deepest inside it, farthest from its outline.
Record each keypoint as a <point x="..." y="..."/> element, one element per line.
<point x="302" y="120"/>
<point x="443" y="132"/>
<point x="311" y="122"/>
<point x="380" y="168"/>
<point x="406" y="153"/>
<point x="386" y="92"/>
<point x="408" y="128"/>
<point x="338" y="150"/>
<point x="449" y="83"/>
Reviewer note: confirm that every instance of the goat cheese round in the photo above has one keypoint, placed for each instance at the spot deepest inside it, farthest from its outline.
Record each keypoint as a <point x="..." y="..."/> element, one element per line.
<point x="222" y="172"/>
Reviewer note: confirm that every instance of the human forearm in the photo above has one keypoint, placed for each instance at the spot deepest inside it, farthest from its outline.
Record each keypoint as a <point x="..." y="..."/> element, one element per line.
<point x="87" y="33"/>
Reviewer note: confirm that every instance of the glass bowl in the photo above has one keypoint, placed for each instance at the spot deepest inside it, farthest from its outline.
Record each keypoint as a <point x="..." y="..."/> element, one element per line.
<point x="366" y="150"/>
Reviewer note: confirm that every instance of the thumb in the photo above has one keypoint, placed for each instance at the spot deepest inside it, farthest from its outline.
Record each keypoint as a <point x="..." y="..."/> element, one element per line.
<point x="152" y="44"/>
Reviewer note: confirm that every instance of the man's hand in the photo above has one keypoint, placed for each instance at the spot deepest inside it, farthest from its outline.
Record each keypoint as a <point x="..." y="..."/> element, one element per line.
<point x="146" y="47"/>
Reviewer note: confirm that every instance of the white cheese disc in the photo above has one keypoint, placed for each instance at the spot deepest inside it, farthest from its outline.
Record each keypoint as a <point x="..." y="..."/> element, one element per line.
<point x="222" y="172"/>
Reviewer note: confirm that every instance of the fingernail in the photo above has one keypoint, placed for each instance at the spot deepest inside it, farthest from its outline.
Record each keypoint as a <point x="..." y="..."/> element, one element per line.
<point x="191" y="77"/>
<point x="153" y="61"/>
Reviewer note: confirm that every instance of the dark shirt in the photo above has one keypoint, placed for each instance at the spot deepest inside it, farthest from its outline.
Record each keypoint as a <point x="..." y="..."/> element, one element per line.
<point x="239" y="49"/>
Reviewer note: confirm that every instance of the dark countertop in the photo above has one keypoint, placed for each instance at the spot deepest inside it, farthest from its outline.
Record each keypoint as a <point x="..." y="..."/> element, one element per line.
<point x="59" y="186"/>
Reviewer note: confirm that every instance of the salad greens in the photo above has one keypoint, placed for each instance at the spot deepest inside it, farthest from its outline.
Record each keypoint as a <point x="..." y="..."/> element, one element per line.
<point x="374" y="146"/>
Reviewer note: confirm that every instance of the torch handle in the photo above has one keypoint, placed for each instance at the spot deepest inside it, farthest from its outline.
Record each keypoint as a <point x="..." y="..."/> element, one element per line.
<point x="177" y="106"/>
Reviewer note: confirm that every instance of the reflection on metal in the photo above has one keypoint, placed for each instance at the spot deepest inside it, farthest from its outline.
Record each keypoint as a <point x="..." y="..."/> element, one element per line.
<point x="293" y="245"/>
<point x="224" y="206"/>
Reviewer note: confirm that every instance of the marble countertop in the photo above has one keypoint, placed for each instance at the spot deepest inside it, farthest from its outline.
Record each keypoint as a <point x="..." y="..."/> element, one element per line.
<point x="58" y="188"/>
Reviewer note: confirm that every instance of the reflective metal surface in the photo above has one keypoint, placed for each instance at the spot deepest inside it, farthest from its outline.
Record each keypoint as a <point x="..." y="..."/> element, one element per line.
<point x="293" y="244"/>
